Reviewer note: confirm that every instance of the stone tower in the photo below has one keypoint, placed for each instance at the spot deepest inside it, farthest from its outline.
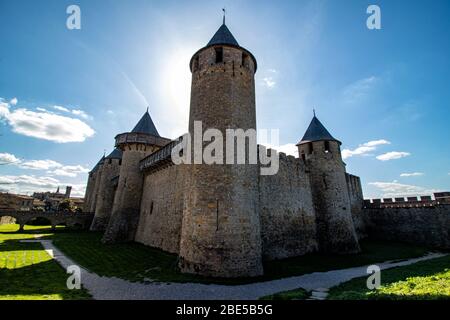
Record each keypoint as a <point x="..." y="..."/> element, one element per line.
<point x="106" y="190"/>
<point x="92" y="186"/>
<point x="221" y="228"/>
<point x="135" y="145"/>
<point x="322" y="155"/>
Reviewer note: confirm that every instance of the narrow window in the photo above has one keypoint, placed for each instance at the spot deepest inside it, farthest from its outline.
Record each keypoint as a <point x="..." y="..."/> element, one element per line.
<point x="310" y="148"/>
<point x="151" y="207"/>
<point x="327" y="146"/>
<point x="244" y="59"/>
<point x="303" y="157"/>
<point x="109" y="161"/>
<point x="120" y="162"/>
<point x="219" y="55"/>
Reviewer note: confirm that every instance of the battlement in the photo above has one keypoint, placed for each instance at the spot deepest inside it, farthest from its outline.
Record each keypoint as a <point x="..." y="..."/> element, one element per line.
<point x="140" y="138"/>
<point x="409" y="202"/>
<point x="160" y="158"/>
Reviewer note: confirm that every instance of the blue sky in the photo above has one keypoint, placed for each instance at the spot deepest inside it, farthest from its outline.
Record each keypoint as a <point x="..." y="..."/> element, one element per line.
<point x="384" y="93"/>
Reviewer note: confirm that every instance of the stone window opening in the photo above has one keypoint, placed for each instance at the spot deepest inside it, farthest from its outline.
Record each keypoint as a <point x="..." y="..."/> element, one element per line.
<point x="120" y="162"/>
<point x="151" y="207"/>
<point x="219" y="54"/>
<point x="244" y="59"/>
<point x="310" y="148"/>
<point x="303" y="156"/>
<point x="109" y="161"/>
<point x="327" y="146"/>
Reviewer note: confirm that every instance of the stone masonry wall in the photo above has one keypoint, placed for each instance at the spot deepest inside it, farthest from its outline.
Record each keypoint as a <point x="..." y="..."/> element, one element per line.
<point x="288" y="226"/>
<point x="125" y="214"/>
<point x="424" y="225"/>
<point x="162" y="208"/>
<point x="335" y="230"/>
<point x="356" y="203"/>
<point x="221" y="228"/>
<point x="97" y="176"/>
<point x="105" y="197"/>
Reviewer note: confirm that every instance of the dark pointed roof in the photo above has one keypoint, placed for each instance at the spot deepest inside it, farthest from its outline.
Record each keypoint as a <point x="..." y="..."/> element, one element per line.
<point x="223" y="36"/>
<point x="316" y="132"/>
<point x="99" y="163"/>
<point x="145" y="125"/>
<point x="115" y="154"/>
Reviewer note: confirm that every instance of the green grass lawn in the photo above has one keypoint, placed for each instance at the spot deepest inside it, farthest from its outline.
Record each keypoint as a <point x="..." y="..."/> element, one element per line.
<point x="136" y="262"/>
<point x="27" y="272"/>
<point x="296" y="294"/>
<point x="423" y="280"/>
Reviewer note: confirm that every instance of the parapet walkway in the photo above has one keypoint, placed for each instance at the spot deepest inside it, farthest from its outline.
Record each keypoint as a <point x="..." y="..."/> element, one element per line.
<point x="104" y="288"/>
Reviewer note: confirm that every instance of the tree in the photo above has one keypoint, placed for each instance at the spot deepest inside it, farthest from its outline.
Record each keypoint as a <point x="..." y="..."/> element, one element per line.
<point x="67" y="206"/>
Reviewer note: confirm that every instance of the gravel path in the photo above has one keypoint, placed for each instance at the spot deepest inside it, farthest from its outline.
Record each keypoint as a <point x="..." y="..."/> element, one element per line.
<point x="104" y="288"/>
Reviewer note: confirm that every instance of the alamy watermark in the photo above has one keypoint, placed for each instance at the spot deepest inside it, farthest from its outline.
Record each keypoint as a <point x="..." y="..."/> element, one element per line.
<point x="74" y="280"/>
<point x="73" y="21"/>
<point x="374" y="20"/>
<point x="374" y="280"/>
<point x="207" y="147"/>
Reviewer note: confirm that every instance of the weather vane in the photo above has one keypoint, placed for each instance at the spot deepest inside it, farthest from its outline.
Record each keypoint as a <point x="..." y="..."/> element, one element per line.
<point x="224" y="13"/>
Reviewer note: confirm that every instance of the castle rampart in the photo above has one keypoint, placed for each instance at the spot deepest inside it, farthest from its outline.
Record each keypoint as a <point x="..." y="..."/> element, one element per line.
<point x="288" y="226"/>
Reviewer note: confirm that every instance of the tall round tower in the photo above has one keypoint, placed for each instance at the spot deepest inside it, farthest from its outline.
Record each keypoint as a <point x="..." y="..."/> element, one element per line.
<point x="135" y="145"/>
<point x="322" y="155"/>
<point x="93" y="185"/>
<point x="106" y="190"/>
<point x="221" y="228"/>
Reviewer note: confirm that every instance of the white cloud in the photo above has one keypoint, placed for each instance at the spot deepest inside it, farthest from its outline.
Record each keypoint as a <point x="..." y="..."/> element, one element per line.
<point x="45" y="125"/>
<point x="75" y="112"/>
<point x="81" y="113"/>
<point x="27" y="184"/>
<point x="8" y="158"/>
<point x="52" y="167"/>
<point x="359" y="89"/>
<point x="395" y="189"/>
<point x="363" y="149"/>
<point x="68" y="171"/>
<point x="39" y="164"/>
<point x="412" y="174"/>
<point x="269" y="82"/>
<point x="61" y="108"/>
<point x="13" y="101"/>
<point x="392" y="155"/>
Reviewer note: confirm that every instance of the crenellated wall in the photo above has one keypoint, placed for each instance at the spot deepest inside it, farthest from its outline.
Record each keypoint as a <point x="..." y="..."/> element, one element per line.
<point x="419" y="225"/>
<point x="161" y="210"/>
<point x="288" y="226"/>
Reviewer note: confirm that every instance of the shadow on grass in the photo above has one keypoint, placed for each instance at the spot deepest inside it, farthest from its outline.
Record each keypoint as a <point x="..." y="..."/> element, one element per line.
<point x="137" y="262"/>
<point x="43" y="280"/>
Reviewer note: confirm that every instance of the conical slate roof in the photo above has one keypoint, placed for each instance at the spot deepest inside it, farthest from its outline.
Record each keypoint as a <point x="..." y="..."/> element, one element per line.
<point x="115" y="154"/>
<point x="145" y="125"/>
<point x="100" y="162"/>
<point x="223" y="36"/>
<point x="316" y="132"/>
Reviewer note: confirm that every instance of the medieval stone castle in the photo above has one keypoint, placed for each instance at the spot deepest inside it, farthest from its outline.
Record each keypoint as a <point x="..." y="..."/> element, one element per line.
<point x="225" y="219"/>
